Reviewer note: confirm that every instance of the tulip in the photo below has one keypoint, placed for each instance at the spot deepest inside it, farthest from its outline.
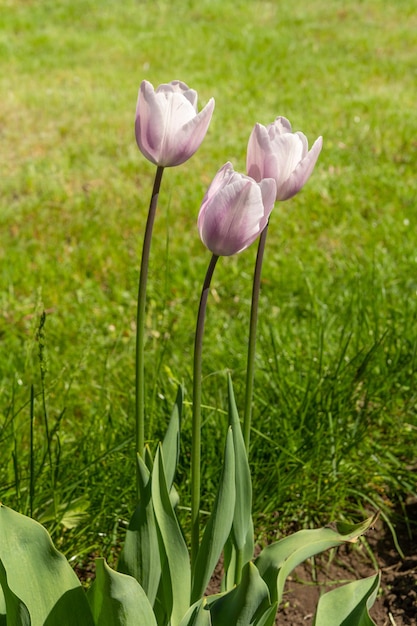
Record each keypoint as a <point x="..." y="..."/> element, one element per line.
<point x="276" y="152"/>
<point x="168" y="127"/>
<point x="234" y="211"/>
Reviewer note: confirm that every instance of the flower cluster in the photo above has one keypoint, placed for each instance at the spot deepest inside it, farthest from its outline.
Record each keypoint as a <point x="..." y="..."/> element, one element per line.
<point x="236" y="207"/>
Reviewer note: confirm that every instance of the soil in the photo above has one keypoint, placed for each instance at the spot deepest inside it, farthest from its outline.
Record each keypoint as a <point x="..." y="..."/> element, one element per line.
<point x="396" y="603"/>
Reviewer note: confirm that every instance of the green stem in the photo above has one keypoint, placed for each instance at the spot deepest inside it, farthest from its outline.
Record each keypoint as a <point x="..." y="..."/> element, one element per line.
<point x="196" y="425"/>
<point x="140" y="320"/>
<point x="250" y="368"/>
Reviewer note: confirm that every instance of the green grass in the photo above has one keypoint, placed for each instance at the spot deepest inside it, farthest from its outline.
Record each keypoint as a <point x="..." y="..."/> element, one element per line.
<point x="335" y="413"/>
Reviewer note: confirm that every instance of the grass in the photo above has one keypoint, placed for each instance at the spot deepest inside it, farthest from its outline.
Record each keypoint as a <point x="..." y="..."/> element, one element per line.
<point x="335" y="413"/>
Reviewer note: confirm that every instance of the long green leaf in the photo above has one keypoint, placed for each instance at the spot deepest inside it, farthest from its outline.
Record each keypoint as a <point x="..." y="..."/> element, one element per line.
<point x="348" y="605"/>
<point x="268" y="617"/>
<point x="39" y="575"/>
<point x="242" y="520"/>
<point x="118" y="600"/>
<point x="3" y="621"/>
<point x="15" y="611"/>
<point x="197" y="615"/>
<point x="278" y="560"/>
<point x="171" y="442"/>
<point x="219" y="524"/>
<point x="244" y="605"/>
<point x="140" y="555"/>
<point x="235" y="559"/>
<point x="240" y="546"/>
<point x="176" y="576"/>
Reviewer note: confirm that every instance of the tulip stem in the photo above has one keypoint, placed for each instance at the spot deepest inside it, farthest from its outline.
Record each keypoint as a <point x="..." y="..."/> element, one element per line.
<point x="250" y="368"/>
<point x="196" y="423"/>
<point x="140" y="320"/>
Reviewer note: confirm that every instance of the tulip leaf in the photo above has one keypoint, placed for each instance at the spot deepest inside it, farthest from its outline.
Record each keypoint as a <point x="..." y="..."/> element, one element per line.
<point x="38" y="575"/>
<point x="219" y="524"/>
<point x="245" y="604"/>
<point x="277" y="560"/>
<point x="147" y="458"/>
<point x="235" y="559"/>
<point x="14" y="612"/>
<point x="229" y="565"/>
<point x="239" y="548"/>
<point x="348" y="605"/>
<point x="242" y="520"/>
<point x="2" y="608"/>
<point x="171" y="442"/>
<point x="176" y="576"/>
<point x="268" y="617"/>
<point x="140" y="554"/>
<point x="197" y="615"/>
<point x="118" y="600"/>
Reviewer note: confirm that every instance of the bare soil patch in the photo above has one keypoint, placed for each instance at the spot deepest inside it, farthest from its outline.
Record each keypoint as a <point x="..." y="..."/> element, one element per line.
<point x="396" y="604"/>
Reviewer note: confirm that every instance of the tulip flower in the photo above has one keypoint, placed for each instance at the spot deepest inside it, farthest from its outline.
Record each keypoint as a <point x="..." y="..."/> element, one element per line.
<point x="276" y="152"/>
<point x="234" y="211"/>
<point x="168" y="127"/>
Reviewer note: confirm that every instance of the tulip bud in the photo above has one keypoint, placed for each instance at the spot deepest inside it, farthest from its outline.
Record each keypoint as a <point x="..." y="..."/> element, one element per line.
<point x="276" y="152"/>
<point x="168" y="127"/>
<point x="234" y="211"/>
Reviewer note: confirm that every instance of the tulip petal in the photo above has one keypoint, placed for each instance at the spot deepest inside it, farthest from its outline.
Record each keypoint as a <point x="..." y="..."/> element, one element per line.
<point x="287" y="150"/>
<point x="179" y="87"/>
<point x="223" y="175"/>
<point x="301" y="174"/>
<point x="149" y="122"/>
<point x="257" y="146"/>
<point x="188" y="138"/>
<point x="178" y="112"/>
<point x="269" y="191"/>
<point x="280" y="125"/>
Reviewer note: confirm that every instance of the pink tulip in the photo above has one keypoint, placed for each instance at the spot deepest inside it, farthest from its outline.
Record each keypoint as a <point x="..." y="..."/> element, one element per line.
<point x="234" y="211"/>
<point x="168" y="127"/>
<point x="276" y="152"/>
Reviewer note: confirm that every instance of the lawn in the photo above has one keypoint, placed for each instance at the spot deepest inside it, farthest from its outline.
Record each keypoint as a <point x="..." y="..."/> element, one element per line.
<point x="334" y="423"/>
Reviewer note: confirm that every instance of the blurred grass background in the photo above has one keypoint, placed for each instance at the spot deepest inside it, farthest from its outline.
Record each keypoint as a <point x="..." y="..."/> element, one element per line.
<point x="334" y="427"/>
